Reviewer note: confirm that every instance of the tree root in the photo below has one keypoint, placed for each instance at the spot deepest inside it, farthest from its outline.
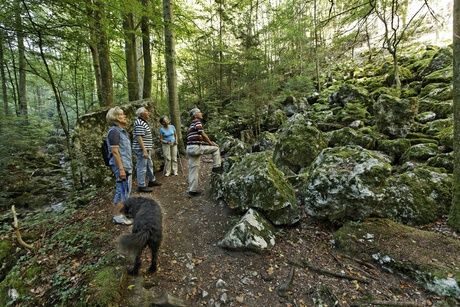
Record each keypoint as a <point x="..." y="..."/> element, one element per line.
<point x="305" y="264"/>
<point x="16" y="229"/>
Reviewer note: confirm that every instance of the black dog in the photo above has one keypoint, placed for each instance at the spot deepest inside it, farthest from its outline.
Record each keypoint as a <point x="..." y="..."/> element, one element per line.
<point x="147" y="231"/>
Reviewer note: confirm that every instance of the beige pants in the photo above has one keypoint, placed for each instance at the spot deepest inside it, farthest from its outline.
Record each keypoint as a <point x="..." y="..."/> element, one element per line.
<point x="194" y="153"/>
<point x="170" y="154"/>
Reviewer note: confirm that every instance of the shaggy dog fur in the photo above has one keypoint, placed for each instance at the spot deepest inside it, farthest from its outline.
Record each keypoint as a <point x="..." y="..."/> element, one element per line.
<point x="147" y="231"/>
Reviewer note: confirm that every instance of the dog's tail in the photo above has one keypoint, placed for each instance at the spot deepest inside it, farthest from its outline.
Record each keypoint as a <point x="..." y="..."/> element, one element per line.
<point x="133" y="243"/>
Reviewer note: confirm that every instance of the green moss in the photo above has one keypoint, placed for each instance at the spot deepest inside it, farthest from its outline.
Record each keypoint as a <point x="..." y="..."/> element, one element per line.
<point x="394" y="148"/>
<point x="12" y="281"/>
<point x="106" y="287"/>
<point x="349" y="136"/>
<point x="446" y="137"/>
<point x="420" y="152"/>
<point x="6" y="250"/>
<point x="351" y="112"/>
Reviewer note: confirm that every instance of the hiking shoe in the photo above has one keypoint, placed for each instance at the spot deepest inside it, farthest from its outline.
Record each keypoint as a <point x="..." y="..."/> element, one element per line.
<point x="121" y="219"/>
<point x="144" y="189"/>
<point x="154" y="184"/>
<point x="167" y="174"/>
<point x="217" y="170"/>
<point x="194" y="193"/>
<point x="175" y="174"/>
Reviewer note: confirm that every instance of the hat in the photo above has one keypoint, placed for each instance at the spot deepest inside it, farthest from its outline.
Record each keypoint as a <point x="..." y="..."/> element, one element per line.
<point x="194" y="111"/>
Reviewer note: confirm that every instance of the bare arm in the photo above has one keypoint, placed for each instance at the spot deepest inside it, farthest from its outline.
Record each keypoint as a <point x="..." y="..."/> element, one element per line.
<point x="117" y="156"/>
<point x="140" y="140"/>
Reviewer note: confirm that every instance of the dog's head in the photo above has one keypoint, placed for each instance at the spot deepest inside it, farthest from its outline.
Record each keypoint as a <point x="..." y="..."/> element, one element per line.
<point x="132" y="205"/>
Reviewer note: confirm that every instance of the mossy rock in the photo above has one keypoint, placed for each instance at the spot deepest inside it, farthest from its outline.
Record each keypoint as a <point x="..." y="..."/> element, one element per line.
<point x="298" y="145"/>
<point x="265" y="141"/>
<point x="349" y="136"/>
<point x="412" y="89"/>
<point x="345" y="183"/>
<point x="273" y="120"/>
<point x="445" y="160"/>
<point x="252" y="233"/>
<point x="437" y="91"/>
<point x="230" y="146"/>
<point x="442" y="59"/>
<point x="429" y="258"/>
<point x="418" y="196"/>
<point x="425" y="117"/>
<point x="351" y="112"/>
<point x="446" y="137"/>
<point x="350" y="93"/>
<point x="420" y="152"/>
<point x="442" y="75"/>
<point x="394" y="148"/>
<point x="255" y="182"/>
<point x="394" y="116"/>
<point x="433" y="128"/>
<point x="106" y="286"/>
<point x="405" y="75"/>
<point x="442" y="109"/>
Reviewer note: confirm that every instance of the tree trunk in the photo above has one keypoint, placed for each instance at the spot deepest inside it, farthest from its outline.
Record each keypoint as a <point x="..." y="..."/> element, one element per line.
<point x="396" y="71"/>
<point x="318" y="82"/>
<point x="3" y="77"/>
<point x="170" y="60"/>
<point x="103" y="51"/>
<point x="22" y="93"/>
<point x="131" y="56"/>
<point x="147" y="85"/>
<point x="454" y="216"/>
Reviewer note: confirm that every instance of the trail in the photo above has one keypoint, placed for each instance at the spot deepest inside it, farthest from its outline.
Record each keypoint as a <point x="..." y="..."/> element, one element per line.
<point x="193" y="269"/>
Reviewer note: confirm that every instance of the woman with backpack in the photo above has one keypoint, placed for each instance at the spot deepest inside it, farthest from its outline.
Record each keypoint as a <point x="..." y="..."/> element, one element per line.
<point x="120" y="161"/>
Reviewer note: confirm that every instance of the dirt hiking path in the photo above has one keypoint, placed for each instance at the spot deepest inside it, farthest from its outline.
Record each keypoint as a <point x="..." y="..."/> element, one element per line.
<point x="193" y="269"/>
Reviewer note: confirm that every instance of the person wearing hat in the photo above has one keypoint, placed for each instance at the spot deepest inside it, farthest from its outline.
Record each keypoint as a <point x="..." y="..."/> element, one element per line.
<point x="142" y="147"/>
<point x="168" y="141"/>
<point x="198" y="143"/>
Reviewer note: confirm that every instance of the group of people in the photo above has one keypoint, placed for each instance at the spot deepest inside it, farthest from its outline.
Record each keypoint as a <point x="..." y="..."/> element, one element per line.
<point x="198" y="143"/>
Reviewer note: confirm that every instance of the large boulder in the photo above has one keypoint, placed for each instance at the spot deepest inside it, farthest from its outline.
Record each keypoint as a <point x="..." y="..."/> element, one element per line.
<point x="429" y="258"/>
<point x="350" y="93"/>
<point x="420" y="152"/>
<point x="352" y="111"/>
<point x="442" y="59"/>
<point x="255" y="182"/>
<point x="349" y="136"/>
<point x="265" y="141"/>
<point x="252" y="232"/>
<point x="394" y="116"/>
<point x="298" y="145"/>
<point x="418" y="196"/>
<point x="233" y="147"/>
<point x="394" y="148"/>
<point x="437" y="91"/>
<point x="345" y="183"/>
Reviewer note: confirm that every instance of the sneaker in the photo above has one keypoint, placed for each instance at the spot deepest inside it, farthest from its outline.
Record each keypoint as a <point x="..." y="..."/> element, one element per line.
<point x="194" y="193"/>
<point x="167" y="174"/>
<point x="121" y="219"/>
<point x="154" y="184"/>
<point x="175" y="174"/>
<point x="144" y="189"/>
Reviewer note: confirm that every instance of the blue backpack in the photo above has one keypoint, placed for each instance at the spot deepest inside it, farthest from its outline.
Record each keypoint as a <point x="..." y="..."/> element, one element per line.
<point x="105" y="150"/>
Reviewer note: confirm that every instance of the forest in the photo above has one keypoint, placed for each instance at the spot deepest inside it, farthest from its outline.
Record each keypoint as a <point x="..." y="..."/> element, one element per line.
<point x="337" y="122"/>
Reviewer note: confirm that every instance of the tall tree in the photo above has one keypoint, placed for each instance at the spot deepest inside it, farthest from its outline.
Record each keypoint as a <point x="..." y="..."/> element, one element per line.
<point x="170" y="60"/>
<point x="147" y="56"/>
<point x="22" y="93"/>
<point x="103" y="50"/>
<point x="454" y="217"/>
<point x="92" y="43"/>
<point x="131" y="56"/>
<point x="2" y="75"/>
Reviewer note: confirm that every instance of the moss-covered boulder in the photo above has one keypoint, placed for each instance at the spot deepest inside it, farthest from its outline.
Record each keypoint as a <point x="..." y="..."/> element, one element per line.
<point x="352" y="111"/>
<point x="349" y="136"/>
<point x="435" y="127"/>
<point x="230" y="146"/>
<point x="394" y="148"/>
<point x="445" y="160"/>
<point x="298" y="145"/>
<point x="442" y="109"/>
<point x="442" y="59"/>
<point x="14" y="289"/>
<point x="425" y="117"/>
<point x="253" y="232"/>
<point x="265" y="141"/>
<point x="446" y="137"/>
<point x="90" y="130"/>
<point x="255" y="182"/>
<point x="437" y="91"/>
<point x="394" y="116"/>
<point x="420" y="152"/>
<point x="273" y="120"/>
<point x="350" y="93"/>
<point x="345" y="183"/>
<point x="429" y="258"/>
<point x="442" y="75"/>
<point x="418" y="196"/>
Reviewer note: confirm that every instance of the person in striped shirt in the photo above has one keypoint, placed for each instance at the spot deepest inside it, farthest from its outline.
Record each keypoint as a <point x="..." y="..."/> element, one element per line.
<point x="142" y="147"/>
<point x="198" y="143"/>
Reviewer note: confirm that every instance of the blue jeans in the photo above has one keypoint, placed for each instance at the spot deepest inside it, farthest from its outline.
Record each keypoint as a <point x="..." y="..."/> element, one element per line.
<point x="122" y="187"/>
<point x="144" y="168"/>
